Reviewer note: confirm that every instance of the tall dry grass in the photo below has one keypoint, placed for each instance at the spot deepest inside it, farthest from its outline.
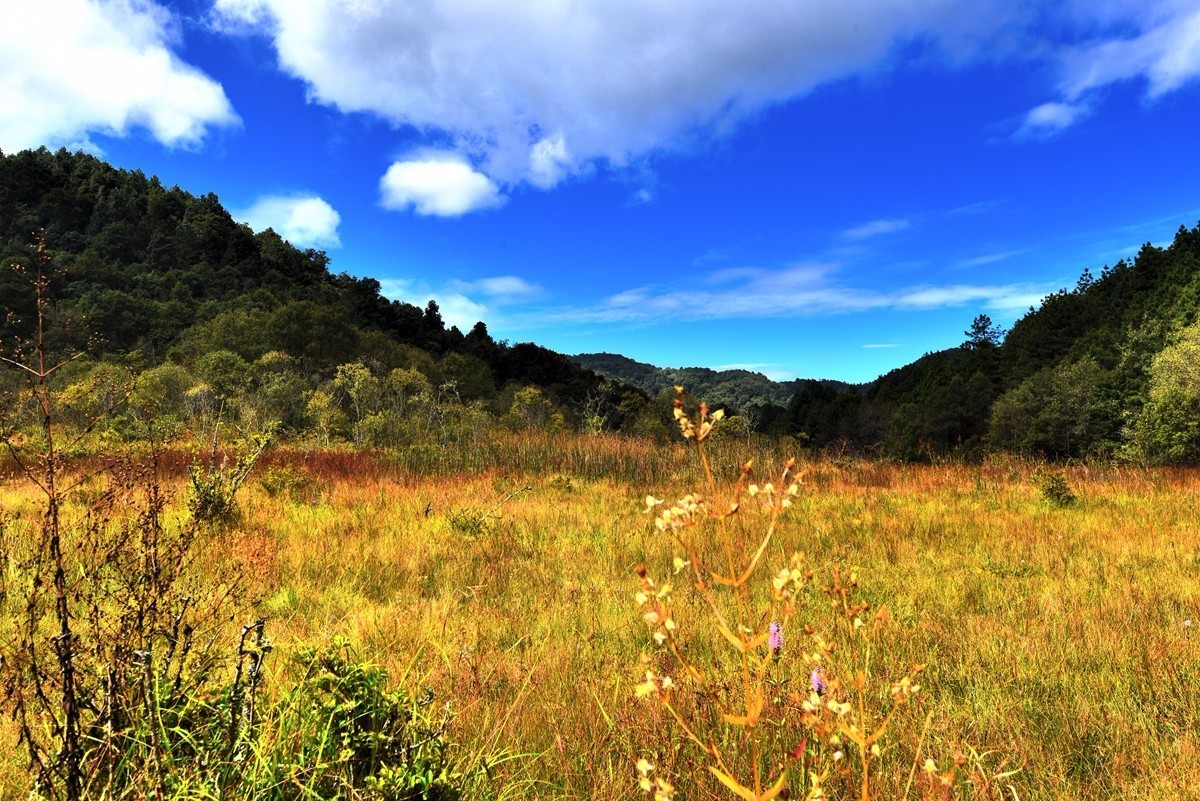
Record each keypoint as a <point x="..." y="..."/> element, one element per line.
<point x="1059" y="642"/>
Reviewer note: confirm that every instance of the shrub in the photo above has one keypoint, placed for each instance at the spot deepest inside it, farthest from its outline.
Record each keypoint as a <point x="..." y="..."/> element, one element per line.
<point x="343" y="733"/>
<point x="1055" y="489"/>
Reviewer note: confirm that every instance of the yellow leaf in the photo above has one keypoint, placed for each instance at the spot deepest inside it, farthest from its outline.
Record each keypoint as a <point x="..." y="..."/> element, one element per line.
<point x="736" y="641"/>
<point x="728" y="582"/>
<point x="776" y="789"/>
<point x="732" y="784"/>
<point x="758" y="641"/>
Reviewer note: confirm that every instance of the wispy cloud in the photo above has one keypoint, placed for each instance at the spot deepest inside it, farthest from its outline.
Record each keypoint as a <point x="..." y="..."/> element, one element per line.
<point x="1050" y="119"/>
<point x="988" y="258"/>
<point x="1155" y="42"/>
<point x="1000" y="297"/>
<point x="881" y="345"/>
<point x="876" y="228"/>
<point x="502" y="289"/>
<point x="801" y="290"/>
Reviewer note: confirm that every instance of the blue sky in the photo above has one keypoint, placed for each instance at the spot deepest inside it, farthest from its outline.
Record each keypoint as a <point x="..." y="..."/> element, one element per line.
<point x="814" y="188"/>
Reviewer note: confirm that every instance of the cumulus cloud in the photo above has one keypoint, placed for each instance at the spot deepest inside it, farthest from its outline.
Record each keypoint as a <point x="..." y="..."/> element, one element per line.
<point x="307" y="221"/>
<point x="438" y="186"/>
<point x="464" y="303"/>
<point x="536" y="92"/>
<point x="77" y="67"/>
<point x="539" y="92"/>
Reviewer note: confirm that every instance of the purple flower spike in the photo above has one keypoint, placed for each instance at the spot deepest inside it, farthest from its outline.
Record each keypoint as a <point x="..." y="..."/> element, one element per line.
<point x="818" y="681"/>
<point x="776" y="639"/>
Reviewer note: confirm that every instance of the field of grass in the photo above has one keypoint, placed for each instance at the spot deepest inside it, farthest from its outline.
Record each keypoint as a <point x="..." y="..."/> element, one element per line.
<point x="1061" y="659"/>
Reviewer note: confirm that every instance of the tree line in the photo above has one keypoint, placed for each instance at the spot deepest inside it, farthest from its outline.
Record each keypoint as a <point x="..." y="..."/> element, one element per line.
<point x="218" y="322"/>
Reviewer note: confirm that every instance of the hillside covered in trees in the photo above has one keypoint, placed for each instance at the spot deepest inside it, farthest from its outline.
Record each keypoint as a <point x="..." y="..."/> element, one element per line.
<point x="220" y="323"/>
<point x="218" y="320"/>
<point x="736" y="389"/>
<point x="1109" y="368"/>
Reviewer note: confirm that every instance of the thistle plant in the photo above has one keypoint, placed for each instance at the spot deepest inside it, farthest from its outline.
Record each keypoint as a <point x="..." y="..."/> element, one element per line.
<point x="769" y="716"/>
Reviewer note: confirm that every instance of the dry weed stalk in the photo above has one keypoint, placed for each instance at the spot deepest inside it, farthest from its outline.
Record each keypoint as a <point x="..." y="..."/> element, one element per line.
<point x="752" y="728"/>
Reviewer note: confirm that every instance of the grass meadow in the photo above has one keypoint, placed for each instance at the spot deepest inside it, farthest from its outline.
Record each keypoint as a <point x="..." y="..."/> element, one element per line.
<point x="1060" y="641"/>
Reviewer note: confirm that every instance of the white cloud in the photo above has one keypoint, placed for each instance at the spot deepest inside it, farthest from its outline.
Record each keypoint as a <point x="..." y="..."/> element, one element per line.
<point x="549" y="161"/>
<point x="439" y="185"/>
<point x="881" y="345"/>
<point x="1155" y="41"/>
<point x="304" y="220"/>
<point x="801" y="290"/>
<point x="455" y="307"/>
<point x="461" y="311"/>
<point x="1165" y="52"/>
<point x="538" y="91"/>
<point x="1006" y="296"/>
<point x="503" y="288"/>
<point x="464" y="303"/>
<point x="876" y="228"/>
<point x="76" y="67"/>
<point x="1051" y="118"/>
<point x="987" y="258"/>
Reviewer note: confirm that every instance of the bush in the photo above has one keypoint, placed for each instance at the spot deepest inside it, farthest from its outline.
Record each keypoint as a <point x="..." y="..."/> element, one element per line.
<point x="342" y="733"/>
<point x="1055" y="489"/>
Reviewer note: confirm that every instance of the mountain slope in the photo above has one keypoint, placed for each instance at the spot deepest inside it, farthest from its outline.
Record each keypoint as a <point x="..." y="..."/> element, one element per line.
<point x="148" y="274"/>
<point x="1070" y="379"/>
<point x="736" y="389"/>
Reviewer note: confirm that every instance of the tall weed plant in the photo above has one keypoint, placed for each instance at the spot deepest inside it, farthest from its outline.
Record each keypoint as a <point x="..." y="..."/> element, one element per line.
<point x="768" y="706"/>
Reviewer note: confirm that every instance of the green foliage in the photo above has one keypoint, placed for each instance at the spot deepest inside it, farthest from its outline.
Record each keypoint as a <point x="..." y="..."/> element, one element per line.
<point x="532" y="409"/>
<point x="1055" y="489"/>
<point x="347" y="734"/>
<point x="1168" y="428"/>
<point x="214" y="485"/>
<point x="161" y="392"/>
<point x="736" y="389"/>
<point x="225" y="372"/>
<point x="1057" y="411"/>
<point x="292" y="483"/>
<point x="156" y="273"/>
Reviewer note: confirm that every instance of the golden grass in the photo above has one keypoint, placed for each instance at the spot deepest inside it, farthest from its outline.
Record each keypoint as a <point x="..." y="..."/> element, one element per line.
<point x="1054" y="638"/>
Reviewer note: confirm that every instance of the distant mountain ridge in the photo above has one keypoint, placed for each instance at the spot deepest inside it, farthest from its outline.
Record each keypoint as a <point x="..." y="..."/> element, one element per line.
<point x="737" y="389"/>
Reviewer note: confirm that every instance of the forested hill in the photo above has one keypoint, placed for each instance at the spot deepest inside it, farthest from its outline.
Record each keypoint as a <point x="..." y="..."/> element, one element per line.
<point x="1110" y="367"/>
<point x="220" y="322"/>
<point x="737" y="389"/>
<point x="162" y="279"/>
